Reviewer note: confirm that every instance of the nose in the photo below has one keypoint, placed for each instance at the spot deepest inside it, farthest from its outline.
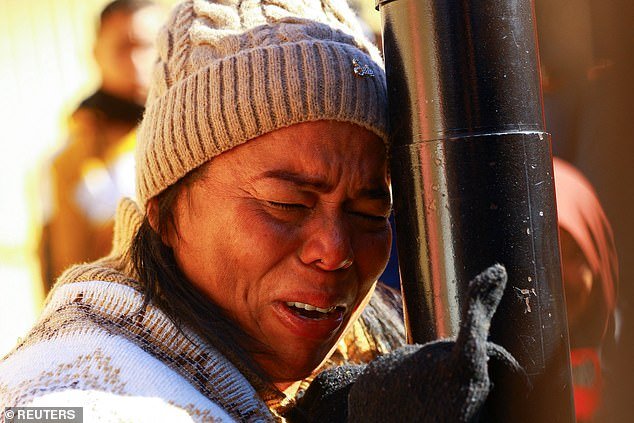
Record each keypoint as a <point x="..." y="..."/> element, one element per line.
<point x="327" y="244"/>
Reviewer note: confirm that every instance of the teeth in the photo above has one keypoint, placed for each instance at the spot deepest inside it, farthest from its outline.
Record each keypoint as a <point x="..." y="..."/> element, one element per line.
<point x="310" y="307"/>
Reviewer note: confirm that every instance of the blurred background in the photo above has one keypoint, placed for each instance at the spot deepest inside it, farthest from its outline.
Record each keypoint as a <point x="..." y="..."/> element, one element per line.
<point x="587" y="55"/>
<point x="48" y="68"/>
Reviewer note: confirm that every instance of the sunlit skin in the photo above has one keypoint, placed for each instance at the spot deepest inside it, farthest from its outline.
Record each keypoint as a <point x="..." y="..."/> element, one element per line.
<point x="577" y="276"/>
<point x="296" y="215"/>
<point x="125" y="52"/>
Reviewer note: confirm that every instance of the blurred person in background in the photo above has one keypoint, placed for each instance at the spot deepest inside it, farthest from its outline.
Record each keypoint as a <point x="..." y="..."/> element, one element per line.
<point x="95" y="168"/>
<point x="604" y="155"/>
<point x="590" y="274"/>
<point x="587" y="54"/>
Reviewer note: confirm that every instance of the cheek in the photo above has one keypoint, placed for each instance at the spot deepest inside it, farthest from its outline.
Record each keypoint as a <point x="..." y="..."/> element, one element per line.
<point x="242" y="247"/>
<point x="372" y="253"/>
<point x="199" y="249"/>
<point x="196" y="260"/>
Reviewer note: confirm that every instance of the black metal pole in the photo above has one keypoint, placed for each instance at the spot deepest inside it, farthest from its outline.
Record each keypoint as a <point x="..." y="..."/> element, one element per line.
<point x="473" y="182"/>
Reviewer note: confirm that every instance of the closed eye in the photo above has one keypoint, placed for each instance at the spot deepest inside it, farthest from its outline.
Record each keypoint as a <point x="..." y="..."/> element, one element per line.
<point x="372" y="217"/>
<point x="286" y="206"/>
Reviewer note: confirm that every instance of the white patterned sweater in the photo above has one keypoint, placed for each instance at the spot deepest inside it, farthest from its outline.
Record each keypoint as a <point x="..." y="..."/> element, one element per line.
<point x="96" y="347"/>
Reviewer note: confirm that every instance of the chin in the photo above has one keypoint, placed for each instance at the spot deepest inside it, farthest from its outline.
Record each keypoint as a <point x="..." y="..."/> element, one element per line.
<point x="288" y="378"/>
<point x="292" y="372"/>
<point x="297" y="367"/>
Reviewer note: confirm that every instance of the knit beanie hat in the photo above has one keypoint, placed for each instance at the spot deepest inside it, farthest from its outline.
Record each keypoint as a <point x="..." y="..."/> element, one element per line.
<point x="231" y="70"/>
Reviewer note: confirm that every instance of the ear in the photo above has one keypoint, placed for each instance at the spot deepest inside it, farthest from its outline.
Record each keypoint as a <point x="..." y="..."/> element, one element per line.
<point x="152" y="213"/>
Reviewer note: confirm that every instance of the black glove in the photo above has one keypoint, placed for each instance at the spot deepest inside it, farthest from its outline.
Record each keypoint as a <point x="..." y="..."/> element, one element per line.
<point x="441" y="381"/>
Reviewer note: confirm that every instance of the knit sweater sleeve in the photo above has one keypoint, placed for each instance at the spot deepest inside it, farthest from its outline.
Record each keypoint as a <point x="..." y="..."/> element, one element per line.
<point x="108" y="376"/>
<point x="109" y="407"/>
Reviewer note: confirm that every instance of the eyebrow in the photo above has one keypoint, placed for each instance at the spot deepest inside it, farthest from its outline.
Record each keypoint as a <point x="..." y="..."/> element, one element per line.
<point x="378" y="193"/>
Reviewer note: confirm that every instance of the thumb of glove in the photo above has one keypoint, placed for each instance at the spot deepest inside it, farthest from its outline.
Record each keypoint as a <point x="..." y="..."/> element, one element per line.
<point x="441" y="381"/>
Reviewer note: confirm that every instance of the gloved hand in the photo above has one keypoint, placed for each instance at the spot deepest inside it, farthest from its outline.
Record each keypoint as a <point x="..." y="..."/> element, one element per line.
<point x="441" y="381"/>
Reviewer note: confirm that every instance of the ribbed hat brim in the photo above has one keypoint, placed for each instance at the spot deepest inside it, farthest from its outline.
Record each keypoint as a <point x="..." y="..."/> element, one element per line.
<point x="213" y="110"/>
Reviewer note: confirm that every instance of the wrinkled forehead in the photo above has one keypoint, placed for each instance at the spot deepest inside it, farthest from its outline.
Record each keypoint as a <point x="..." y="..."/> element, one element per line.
<point x="318" y="155"/>
<point x="303" y="140"/>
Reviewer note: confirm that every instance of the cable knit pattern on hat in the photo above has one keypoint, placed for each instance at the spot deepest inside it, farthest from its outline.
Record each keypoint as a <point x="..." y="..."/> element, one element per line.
<point x="229" y="71"/>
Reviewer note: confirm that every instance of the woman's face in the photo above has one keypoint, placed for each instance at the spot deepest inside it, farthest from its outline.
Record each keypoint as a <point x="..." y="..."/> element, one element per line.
<point x="288" y="233"/>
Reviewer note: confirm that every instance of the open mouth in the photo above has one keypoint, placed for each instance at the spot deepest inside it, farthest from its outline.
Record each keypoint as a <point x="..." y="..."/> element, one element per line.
<point x="309" y="311"/>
